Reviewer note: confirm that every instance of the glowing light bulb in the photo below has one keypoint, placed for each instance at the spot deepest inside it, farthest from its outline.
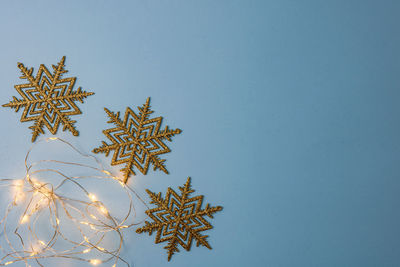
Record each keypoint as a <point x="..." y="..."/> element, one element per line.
<point x="103" y="210"/>
<point x="19" y="196"/>
<point x="92" y="197"/>
<point x="107" y="172"/>
<point x="19" y="183"/>
<point x="95" y="261"/>
<point x="47" y="193"/>
<point x="8" y="262"/>
<point x="87" y="250"/>
<point x="24" y="219"/>
<point x="53" y="138"/>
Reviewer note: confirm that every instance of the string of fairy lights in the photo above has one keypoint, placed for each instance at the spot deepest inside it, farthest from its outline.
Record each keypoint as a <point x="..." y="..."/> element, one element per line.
<point x="98" y="235"/>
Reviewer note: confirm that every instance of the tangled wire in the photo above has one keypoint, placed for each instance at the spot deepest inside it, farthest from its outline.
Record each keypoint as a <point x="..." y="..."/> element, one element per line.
<point x="42" y="221"/>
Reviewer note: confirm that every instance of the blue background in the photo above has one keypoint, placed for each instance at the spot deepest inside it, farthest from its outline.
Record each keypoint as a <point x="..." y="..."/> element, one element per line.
<point x="289" y="110"/>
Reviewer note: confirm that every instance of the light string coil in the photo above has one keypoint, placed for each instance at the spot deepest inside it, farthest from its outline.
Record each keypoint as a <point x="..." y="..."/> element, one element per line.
<point x="97" y="234"/>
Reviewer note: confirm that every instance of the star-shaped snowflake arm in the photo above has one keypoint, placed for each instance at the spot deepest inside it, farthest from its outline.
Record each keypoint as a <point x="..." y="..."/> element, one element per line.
<point x="48" y="99"/>
<point x="137" y="141"/>
<point x="178" y="219"/>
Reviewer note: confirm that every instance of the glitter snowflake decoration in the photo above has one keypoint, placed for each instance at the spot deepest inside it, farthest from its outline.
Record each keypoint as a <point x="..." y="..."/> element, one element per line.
<point x="48" y="99"/>
<point x="137" y="141"/>
<point x="179" y="219"/>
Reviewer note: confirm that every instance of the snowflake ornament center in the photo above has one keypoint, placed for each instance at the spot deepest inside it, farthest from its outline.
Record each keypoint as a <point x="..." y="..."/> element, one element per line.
<point x="179" y="220"/>
<point x="137" y="140"/>
<point x="48" y="99"/>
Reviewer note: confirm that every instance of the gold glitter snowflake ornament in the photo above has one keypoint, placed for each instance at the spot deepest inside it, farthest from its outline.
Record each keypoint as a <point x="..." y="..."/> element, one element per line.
<point x="48" y="99"/>
<point x="178" y="219"/>
<point x="137" y="141"/>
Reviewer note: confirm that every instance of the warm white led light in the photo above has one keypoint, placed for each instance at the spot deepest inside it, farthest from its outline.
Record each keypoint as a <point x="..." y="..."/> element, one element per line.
<point x="107" y="172"/>
<point x="24" y="219"/>
<point x="95" y="261"/>
<point x="103" y="210"/>
<point x="19" y="183"/>
<point x="92" y="197"/>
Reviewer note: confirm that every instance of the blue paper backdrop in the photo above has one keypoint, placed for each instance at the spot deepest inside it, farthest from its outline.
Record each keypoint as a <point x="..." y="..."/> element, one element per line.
<point x="289" y="110"/>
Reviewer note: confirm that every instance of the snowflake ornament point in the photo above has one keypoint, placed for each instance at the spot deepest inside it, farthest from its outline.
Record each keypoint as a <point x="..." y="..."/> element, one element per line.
<point x="48" y="99"/>
<point x="178" y="219"/>
<point x="137" y="140"/>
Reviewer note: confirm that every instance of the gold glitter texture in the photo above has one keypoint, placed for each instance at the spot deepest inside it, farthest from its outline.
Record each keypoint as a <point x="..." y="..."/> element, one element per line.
<point x="178" y="219"/>
<point x="137" y="140"/>
<point x="48" y="99"/>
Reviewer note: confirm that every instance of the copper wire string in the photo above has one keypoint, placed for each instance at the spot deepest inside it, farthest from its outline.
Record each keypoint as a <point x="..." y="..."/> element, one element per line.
<point x="99" y="233"/>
